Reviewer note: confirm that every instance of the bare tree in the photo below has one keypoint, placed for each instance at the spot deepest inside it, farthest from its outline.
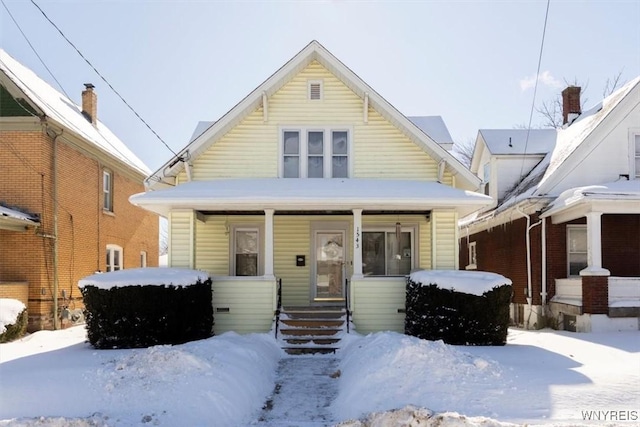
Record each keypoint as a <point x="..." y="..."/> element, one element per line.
<point x="612" y="84"/>
<point x="464" y="151"/>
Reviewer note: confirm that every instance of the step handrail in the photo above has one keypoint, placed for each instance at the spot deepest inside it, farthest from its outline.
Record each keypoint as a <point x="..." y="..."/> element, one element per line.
<point x="346" y="300"/>
<point x="278" y="305"/>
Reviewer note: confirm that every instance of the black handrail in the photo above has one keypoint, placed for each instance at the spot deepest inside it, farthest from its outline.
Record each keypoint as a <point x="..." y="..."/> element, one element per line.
<point x="346" y="300"/>
<point x="278" y="305"/>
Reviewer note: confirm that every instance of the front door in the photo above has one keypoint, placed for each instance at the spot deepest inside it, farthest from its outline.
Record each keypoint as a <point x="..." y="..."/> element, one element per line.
<point x="329" y="262"/>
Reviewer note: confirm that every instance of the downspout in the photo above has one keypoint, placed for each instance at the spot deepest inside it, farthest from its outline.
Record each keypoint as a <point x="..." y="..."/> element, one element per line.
<point x="54" y="192"/>
<point x="528" y="247"/>
<point x="544" y="264"/>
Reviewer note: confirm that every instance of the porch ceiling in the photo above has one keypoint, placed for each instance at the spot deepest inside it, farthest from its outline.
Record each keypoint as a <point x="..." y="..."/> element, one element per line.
<point x="311" y="195"/>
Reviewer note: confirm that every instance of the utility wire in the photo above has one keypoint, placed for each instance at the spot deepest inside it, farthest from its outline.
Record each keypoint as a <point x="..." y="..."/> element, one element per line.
<point x="103" y="78"/>
<point x="535" y="88"/>
<point x="33" y="48"/>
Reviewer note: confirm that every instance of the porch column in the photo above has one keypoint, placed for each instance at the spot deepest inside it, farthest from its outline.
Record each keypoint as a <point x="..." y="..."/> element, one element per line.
<point x="268" y="243"/>
<point x="594" y="246"/>
<point x="357" y="243"/>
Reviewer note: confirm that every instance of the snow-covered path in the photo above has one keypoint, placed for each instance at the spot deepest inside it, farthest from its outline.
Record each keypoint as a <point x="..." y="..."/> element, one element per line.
<point x="305" y="388"/>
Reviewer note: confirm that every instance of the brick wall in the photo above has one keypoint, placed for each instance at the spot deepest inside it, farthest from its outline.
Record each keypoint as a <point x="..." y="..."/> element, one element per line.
<point x="15" y="290"/>
<point x="595" y="294"/>
<point x="84" y="229"/>
<point x="621" y="245"/>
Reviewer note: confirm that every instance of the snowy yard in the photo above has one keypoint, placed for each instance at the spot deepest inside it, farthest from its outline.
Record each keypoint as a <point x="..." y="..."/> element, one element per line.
<point x="539" y="378"/>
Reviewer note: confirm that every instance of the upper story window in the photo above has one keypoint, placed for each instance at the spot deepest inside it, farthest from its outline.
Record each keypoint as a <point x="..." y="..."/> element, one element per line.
<point x="107" y="190"/>
<point x="637" y="155"/>
<point x="576" y="249"/>
<point x="386" y="252"/>
<point x="315" y="153"/>
<point x="114" y="258"/>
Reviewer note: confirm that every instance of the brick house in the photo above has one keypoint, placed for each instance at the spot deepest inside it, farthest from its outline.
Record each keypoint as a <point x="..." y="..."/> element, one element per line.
<point x="65" y="181"/>
<point x="565" y="224"/>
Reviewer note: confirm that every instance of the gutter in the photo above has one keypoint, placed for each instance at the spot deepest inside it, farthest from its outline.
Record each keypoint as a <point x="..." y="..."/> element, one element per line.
<point x="528" y="245"/>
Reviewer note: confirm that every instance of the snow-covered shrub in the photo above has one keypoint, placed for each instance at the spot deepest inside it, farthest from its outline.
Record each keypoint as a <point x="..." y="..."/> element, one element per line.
<point x="145" y="307"/>
<point x="13" y="319"/>
<point x="458" y="307"/>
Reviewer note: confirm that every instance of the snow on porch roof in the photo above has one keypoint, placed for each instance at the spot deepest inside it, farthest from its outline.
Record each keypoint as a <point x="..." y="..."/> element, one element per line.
<point x="310" y="194"/>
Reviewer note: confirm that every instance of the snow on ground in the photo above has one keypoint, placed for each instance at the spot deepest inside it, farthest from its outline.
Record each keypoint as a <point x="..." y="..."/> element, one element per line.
<point x="544" y="377"/>
<point x="10" y="309"/>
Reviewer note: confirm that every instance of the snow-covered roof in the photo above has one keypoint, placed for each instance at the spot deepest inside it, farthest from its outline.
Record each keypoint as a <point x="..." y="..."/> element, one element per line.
<point x="519" y="141"/>
<point x="310" y="194"/>
<point x="314" y="51"/>
<point x="148" y="276"/>
<point x="466" y="282"/>
<point x="19" y="215"/>
<point x="13" y="219"/>
<point x="434" y="127"/>
<point x="64" y="111"/>
<point x="199" y="130"/>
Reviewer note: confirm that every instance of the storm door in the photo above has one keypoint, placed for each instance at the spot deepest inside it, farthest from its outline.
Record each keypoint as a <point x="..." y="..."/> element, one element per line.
<point x="329" y="265"/>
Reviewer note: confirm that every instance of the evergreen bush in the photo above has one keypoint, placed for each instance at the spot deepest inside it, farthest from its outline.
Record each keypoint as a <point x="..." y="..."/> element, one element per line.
<point x="16" y="330"/>
<point x="143" y="316"/>
<point x="457" y="318"/>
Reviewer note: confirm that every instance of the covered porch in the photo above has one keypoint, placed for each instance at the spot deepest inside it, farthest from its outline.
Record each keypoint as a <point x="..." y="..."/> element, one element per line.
<point x="328" y="242"/>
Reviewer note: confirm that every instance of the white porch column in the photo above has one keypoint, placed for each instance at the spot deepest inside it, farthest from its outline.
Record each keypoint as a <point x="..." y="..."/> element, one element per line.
<point x="594" y="246"/>
<point x="357" y="243"/>
<point x="268" y="243"/>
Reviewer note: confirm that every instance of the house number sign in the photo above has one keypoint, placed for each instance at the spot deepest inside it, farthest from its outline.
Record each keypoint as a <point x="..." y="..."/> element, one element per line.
<point x="357" y="237"/>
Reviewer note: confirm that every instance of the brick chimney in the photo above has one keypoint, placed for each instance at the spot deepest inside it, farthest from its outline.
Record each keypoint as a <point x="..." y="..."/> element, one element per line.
<point x="90" y="104"/>
<point x="570" y="104"/>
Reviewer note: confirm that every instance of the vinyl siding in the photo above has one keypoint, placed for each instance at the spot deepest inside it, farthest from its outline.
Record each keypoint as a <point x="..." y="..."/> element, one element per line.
<point x="251" y="149"/>
<point x="375" y="304"/>
<point x="247" y="305"/>
<point x="181" y="238"/>
<point x="445" y="239"/>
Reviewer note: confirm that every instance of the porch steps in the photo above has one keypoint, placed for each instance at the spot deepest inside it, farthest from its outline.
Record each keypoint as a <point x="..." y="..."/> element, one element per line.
<point x="311" y="330"/>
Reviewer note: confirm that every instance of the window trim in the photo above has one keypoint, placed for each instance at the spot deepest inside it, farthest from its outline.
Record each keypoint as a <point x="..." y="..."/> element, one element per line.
<point x="107" y="190"/>
<point x="472" y="261"/>
<point x="413" y="231"/>
<point x="110" y="264"/>
<point x="232" y="247"/>
<point x="574" y="227"/>
<point x="303" y="134"/>
<point x="143" y="259"/>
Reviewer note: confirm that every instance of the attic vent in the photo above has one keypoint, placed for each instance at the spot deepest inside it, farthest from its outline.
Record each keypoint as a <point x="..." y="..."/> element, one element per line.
<point x="315" y="90"/>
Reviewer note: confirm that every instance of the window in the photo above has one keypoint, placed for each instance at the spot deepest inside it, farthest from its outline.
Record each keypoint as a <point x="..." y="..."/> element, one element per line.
<point x="486" y="177"/>
<point x="114" y="258"/>
<point x="383" y="254"/>
<point x="576" y="249"/>
<point x="637" y="156"/>
<point x="143" y="258"/>
<point x="107" y="191"/>
<point x="315" y="153"/>
<point x="314" y="88"/>
<point x="246" y="251"/>
<point x="473" y="259"/>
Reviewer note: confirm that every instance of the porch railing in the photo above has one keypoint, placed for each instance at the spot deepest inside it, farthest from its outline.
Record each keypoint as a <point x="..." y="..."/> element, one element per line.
<point x="346" y="301"/>
<point x="278" y="305"/>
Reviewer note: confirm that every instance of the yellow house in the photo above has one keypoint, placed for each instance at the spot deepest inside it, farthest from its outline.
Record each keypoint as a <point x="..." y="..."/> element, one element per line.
<point x="314" y="182"/>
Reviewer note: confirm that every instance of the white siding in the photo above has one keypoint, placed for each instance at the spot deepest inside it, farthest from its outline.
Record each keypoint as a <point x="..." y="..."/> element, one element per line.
<point x="243" y="305"/>
<point x="509" y="172"/>
<point x="376" y="303"/>
<point x="445" y="240"/>
<point x="181" y="226"/>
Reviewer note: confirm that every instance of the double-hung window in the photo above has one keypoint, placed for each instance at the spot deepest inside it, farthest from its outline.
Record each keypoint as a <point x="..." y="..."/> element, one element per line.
<point x="107" y="190"/>
<point x="315" y="153"/>
<point x="576" y="249"/>
<point x="114" y="258"/>
<point x="246" y="251"/>
<point x="387" y="253"/>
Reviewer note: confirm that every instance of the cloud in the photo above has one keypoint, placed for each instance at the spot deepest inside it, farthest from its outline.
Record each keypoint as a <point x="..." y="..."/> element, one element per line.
<point x="544" y="78"/>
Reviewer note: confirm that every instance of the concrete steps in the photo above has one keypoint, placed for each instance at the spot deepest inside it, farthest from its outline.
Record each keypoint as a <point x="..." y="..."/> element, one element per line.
<point x="311" y="330"/>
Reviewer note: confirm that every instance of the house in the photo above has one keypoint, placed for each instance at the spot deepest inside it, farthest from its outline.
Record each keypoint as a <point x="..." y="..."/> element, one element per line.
<point x="565" y="226"/>
<point x="315" y="182"/>
<point x="64" y="187"/>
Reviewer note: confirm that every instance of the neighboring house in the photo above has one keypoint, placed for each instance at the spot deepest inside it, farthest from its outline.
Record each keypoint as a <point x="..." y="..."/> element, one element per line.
<point x="566" y="224"/>
<point x="313" y="179"/>
<point x="65" y="181"/>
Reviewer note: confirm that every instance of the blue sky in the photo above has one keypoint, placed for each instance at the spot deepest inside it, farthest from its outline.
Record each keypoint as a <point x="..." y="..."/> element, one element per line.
<point x="179" y="62"/>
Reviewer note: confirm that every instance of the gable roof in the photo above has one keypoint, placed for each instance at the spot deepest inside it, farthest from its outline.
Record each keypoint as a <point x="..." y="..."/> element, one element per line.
<point x="434" y="127"/>
<point x="24" y="83"/>
<point x="314" y="51"/>
<point x="519" y="141"/>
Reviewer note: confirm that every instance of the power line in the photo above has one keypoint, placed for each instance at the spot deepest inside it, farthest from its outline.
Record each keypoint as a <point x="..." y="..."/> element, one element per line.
<point x="535" y="87"/>
<point x="33" y="48"/>
<point x="103" y="78"/>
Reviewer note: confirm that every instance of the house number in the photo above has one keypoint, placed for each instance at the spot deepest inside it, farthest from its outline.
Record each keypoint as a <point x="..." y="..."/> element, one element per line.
<point x="357" y="237"/>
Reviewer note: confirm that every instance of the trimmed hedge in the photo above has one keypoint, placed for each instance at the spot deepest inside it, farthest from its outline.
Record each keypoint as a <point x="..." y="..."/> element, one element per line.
<point x="457" y="318"/>
<point x="143" y="316"/>
<point x="17" y="330"/>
